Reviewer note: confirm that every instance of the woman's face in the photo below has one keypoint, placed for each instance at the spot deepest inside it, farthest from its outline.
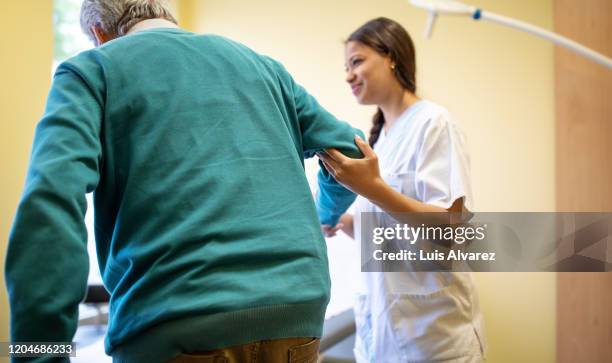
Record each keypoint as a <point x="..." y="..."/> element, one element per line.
<point x="369" y="74"/>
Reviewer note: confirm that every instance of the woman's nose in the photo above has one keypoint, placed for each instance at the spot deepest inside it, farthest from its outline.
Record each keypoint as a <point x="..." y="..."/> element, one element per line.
<point x="350" y="76"/>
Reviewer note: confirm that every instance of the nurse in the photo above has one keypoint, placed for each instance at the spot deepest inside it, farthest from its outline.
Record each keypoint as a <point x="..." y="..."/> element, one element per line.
<point x="419" y="163"/>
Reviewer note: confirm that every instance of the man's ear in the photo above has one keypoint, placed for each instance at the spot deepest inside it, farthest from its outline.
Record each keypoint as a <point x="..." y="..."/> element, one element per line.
<point x="100" y="35"/>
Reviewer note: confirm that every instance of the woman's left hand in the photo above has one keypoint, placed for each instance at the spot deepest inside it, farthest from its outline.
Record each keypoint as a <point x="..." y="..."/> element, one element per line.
<point x="362" y="176"/>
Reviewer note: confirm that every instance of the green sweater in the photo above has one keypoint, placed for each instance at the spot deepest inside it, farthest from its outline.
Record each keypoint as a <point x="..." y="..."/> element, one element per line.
<point x="206" y="232"/>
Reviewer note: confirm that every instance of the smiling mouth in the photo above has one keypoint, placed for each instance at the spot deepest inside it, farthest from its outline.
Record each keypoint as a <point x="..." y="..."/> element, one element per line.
<point x="356" y="88"/>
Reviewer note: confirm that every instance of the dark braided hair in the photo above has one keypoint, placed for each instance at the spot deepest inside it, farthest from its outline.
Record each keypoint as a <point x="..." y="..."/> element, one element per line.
<point x="388" y="38"/>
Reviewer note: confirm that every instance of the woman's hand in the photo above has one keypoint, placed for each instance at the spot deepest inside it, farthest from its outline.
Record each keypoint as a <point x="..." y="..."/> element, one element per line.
<point x="362" y="176"/>
<point x="329" y="231"/>
<point x="345" y="224"/>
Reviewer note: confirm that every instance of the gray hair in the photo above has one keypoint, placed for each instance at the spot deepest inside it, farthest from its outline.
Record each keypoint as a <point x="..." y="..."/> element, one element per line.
<point x="116" y="17"/>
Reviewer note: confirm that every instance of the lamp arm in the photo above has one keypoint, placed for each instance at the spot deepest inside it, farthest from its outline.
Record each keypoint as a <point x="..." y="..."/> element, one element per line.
<point x="548" y="35"/>
<point x="457" y="8"/>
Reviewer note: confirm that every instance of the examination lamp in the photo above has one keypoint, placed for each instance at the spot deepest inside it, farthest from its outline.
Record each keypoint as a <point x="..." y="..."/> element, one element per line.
<point x="457" y="8"/>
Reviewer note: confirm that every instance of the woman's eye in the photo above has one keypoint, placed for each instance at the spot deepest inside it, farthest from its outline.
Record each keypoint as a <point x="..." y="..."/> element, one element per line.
<point x="355" y="62"/>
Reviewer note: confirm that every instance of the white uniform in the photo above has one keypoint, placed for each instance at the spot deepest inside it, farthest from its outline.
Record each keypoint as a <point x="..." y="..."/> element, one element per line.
<point x="420" y="316"/>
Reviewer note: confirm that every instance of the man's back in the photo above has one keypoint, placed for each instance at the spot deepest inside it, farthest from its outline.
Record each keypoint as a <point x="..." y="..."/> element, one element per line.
<point x="204" y="220"/>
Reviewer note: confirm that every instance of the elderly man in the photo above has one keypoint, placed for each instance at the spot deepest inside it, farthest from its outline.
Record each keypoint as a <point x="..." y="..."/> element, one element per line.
<point x="207" y="236"/>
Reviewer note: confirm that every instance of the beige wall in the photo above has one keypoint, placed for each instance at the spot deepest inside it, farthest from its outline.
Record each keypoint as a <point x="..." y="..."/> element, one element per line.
<point x="496" y="81"/>
<point x="26" y="43"/>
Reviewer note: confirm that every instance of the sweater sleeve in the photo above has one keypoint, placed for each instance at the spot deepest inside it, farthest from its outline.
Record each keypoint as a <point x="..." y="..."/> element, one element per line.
<point x="321" y="130"/>
<point x="47" y="262"/>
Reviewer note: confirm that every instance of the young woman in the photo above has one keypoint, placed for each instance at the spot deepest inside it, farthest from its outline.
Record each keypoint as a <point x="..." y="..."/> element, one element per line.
<point x="419" y="164"/>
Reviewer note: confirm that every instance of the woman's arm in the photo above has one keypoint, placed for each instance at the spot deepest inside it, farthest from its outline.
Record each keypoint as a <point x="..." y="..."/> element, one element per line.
<point x="362" y="176"/>
<point x="392" y="201"/>
<point x="345" y="225"/>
